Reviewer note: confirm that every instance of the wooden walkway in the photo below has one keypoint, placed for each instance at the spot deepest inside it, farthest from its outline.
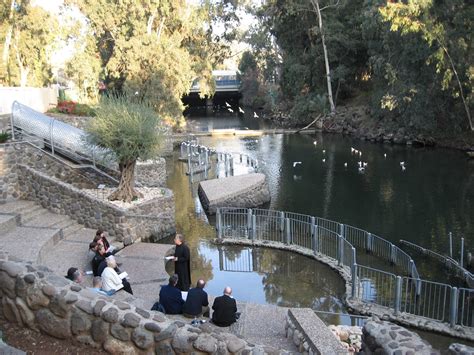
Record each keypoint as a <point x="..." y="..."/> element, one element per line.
<point x="241" y="132"/>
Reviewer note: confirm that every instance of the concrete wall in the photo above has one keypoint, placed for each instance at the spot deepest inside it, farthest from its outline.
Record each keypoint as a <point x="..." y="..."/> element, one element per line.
<point x="39" y="99"/>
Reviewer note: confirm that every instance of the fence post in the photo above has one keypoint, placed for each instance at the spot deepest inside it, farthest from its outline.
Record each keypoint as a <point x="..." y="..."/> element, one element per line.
<point x="392" y="254"/>
<point x="354" y="280"/>
<point x="453" y="307"/>
<point x="342" y="230"/>
<point x="254" y="227"/>
<point x="231" y="163"/>
<point x="412" y="265"/>
<point x="450" y="244"/>
<point x="461" y="258"/>
<point x="340" y="254"/>
<point x="369" y="242"/>
<point x="418" y="287"/>
<point x="249" y="223"/>
<point x="218" y="223"/>
<point x="288" y="231"/>
<point x="398" y="295"/>
<point x="313" y="234"/>
<point x="282" y="224"/>
<point x="354" y="255"/>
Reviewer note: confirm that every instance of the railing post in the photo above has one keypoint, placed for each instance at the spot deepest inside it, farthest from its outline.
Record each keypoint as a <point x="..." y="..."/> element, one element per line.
<point x="461" y="258"/>
<point x="450" y="244"/>
<point x="288" y="231"/>
<point x="340" y="254"/>
<point x="418" y="286"/>
<point x="392" y="254"/>
<point x="231" y="163"/>
<point x="354" y="255"/>
<point x="282" y="224"/>
<point x="411" y="267"/>
<point x="51" y="141"/>
<point x="342" y="230"/>
<point x="354" y="280"/>
<point x="398" y="295"/>
<point x="219" y="223"/>
<point x="254" y="227"/>
<point x="11" y="123"/>
<point x="369" y="242"/>
<point x="453" y="307"/>
<point x="249" y="223"/>
<point x="313" y="235"/>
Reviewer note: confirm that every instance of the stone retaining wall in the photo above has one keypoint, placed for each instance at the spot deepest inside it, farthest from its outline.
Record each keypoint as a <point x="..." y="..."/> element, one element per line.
<point x="36" y="298"/>
<point x="151" y="173"/>
<point x="126" y="225"/>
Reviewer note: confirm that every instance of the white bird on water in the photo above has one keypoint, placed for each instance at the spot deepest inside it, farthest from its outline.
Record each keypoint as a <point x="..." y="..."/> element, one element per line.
<point x="404" y="168"/>
<point x="402" y="163"/>
<point x="324" y="160"/>
<point x="359" y="163"/>
<point x="295" y="163"/>
<point x="361" y="169"/>
<point x="230" y="110"/>
<point x="365" y="164"/>
<point x="324" y="151"/>
<point x="345" y="165"/>
<point x="255" y="115"/>
<point x="240" y="110"/>
<point x="352" y="150"/>
<point x="315" y="142"/>
<point x="385" y="155"/>
<point x="227" y="104"/>
<point x="360" y="153"/>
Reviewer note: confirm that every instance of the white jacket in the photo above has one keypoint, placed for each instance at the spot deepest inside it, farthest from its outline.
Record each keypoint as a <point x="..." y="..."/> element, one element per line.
<point x="111" y="280"/>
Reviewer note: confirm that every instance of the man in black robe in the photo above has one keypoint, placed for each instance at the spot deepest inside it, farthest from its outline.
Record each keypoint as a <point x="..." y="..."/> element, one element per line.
<point x="182" y="266"/>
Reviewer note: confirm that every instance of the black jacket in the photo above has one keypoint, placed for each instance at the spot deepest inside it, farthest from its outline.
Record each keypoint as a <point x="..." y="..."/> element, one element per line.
<point x="197" y="298"/>
<point x="171" y="299"/>
<point x="224" y="308"/>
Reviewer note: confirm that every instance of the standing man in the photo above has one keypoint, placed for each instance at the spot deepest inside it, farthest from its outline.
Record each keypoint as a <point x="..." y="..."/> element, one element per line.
<point x="182" y="266"/>
<point x="225" y="309"/>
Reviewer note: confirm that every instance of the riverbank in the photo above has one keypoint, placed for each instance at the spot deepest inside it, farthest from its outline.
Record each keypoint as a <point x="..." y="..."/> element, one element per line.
<point x="356" y="121"/>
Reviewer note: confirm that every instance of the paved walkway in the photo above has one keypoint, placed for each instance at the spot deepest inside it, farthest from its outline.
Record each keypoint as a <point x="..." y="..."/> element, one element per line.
<point x="30" y="232"/>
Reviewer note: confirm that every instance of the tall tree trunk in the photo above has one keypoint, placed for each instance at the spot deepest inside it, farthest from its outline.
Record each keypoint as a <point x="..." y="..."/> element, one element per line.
<point x="315" y="4"/>
<point x="125" y="190"/>
<point x="8" y="37"/>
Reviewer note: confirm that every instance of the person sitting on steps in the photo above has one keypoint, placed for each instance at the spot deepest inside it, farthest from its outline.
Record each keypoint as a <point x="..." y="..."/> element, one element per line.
<point x="225" y="309"/>
<point x="170" y="297"/>
<point x="111" y="280"/>
<point x="197" y="303"/>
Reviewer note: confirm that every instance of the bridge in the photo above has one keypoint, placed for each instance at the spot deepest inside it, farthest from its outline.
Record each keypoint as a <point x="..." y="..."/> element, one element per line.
<point x="226" y="81"/>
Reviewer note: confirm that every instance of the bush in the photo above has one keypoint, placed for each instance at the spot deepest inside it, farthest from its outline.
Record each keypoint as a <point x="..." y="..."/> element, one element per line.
<point x="4" y="136"/>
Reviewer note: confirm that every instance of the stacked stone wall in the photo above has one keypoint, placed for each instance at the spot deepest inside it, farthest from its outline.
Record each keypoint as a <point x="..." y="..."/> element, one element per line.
<point x="34" y="297"/>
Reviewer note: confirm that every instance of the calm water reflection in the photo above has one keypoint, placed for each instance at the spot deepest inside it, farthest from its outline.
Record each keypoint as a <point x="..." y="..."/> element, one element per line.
<point x="434" y="195"/>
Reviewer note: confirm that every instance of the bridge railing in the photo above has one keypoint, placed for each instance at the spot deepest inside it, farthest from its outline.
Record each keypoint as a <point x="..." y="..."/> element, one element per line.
<point x="398" y="294"/>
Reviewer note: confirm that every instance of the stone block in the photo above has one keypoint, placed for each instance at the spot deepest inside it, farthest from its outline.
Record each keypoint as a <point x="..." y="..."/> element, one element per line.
<point x="27" y="316"/>
<point x="142" y="338"/>
<point x="115" y="346"/>
<point x="80" y="322"/>
<point x="205" y="342"/>
<point x="53" y="325"/>
<point x="131" y="320"/>
<point x="99" y="331"/>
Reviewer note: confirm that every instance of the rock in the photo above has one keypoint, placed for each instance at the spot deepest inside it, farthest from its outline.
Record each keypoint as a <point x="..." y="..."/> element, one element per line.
<point x="181" y="341"/>
<point x="26" y="314"/>
<point x="115" y="346"/>
<point x="119" y="332"/>
<point x="59" y="306"/>
<point x="36" y="299"/>
<point x="52" y="325"/>
<point x="21" y="287"/>
<point x="10" y="310"/>
<point x="235" y="344"/>
<point x="85" y="305"/>
<point x="153" y="327"/>
<point x="76" y="288"/>
<point x="8" y="284"/>
<point x="86" y="340"/>
<point x="122" y="305"/>
<point x="142" y="312"/>
<point x="131" y="320"/>
<point x="142" y="338"/>
<point x="98" y="307"/>
<point x="12" y="269"/>
<point x="49" y="290"/>
<point x="159" y="317"/>
<point x="70" y="298"/>
<point x="167" y="333"/>
<point x="29" y="278"/>
<point x="99" y="330"/>
<point x="164" y="348"/>
<point x="80" y="322"/>
<point x="206" y="343"/>
<point x="111" y="315"/>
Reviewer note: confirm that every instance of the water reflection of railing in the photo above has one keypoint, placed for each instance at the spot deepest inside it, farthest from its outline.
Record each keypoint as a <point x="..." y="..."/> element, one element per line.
<point x="202" y="160"/>
<point x="238" y="263"/>
<point x="400" y="294"/>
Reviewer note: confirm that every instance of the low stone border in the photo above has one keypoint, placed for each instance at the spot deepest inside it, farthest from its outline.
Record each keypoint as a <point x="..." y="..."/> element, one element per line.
<point x="349" y="336"/>
<point x="36" y="298"/>
<point x="310" y="334"/>
<point x="357" y="306"/>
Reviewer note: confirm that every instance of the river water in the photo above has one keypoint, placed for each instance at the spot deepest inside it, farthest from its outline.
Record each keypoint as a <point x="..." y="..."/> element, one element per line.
<point x="432" y="196"/>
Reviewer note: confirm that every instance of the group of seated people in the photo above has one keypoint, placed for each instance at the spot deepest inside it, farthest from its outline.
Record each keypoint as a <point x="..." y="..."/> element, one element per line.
<point x="108" y="278"/>
<point x="197" y="303"/>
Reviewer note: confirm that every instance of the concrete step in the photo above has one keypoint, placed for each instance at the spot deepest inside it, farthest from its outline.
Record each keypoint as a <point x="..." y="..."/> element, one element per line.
<point x="16" y="206"/>
<point x="8" y="222"/>
<point x="44" y="218"/>
<point x="29" y="214"/>
<point x="71" y="230"/>
<point x="30" y="243"/>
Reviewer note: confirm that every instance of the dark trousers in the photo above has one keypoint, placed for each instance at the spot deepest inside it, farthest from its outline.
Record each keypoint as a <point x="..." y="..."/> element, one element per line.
<point x="127" y="287"/>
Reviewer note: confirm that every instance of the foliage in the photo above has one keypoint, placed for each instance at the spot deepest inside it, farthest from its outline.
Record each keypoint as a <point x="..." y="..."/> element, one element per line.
<point x="4" y="136"/>
<point x="129" y="129"/>
<point x="28" y="35"/>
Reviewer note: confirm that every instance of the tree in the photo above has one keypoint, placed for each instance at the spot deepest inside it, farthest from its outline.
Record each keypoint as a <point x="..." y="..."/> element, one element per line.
<point x="130" y="130"/>
<point x="29" y="34"/>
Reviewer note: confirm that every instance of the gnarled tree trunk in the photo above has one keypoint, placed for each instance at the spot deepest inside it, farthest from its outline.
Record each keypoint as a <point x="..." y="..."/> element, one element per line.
<point x="126" y="191"/>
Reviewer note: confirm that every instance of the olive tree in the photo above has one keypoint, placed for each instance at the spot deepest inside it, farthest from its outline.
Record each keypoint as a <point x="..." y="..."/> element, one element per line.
<point x="130" y="130"/>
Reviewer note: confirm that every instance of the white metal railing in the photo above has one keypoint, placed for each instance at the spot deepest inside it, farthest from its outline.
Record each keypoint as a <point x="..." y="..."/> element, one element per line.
<point x="410" y="295"/>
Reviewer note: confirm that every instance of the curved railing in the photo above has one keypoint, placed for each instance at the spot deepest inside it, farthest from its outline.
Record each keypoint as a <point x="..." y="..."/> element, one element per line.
<point x="398" y="294"/>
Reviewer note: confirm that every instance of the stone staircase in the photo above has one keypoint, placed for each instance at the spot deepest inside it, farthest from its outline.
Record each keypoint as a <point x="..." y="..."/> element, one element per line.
<point x="31" y="232"/>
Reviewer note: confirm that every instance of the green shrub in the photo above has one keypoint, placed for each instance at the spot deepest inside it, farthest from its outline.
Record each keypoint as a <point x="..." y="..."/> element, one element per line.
<point x="4" y="136"/>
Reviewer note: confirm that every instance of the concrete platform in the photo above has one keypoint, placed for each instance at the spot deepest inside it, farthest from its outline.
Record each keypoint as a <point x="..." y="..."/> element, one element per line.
<point x="250" y="190"/>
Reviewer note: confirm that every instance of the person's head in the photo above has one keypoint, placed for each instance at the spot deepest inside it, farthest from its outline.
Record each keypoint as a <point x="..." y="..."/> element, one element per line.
<point x="93" y="246"/>
<point x="173" y="280"/>
<point x="227" y="291"/>
<point x="179" y="239"/>
<point x="100" y="248"/>
<point x="110" y="260"/>
<point x="97" y="282"/>
<point x="99" y="233"/>
<point x="74" y="274"/>
<point x="200" y="283"/>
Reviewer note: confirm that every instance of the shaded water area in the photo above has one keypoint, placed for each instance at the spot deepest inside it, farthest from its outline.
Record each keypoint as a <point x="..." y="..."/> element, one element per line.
<point x="433" y="196"/>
